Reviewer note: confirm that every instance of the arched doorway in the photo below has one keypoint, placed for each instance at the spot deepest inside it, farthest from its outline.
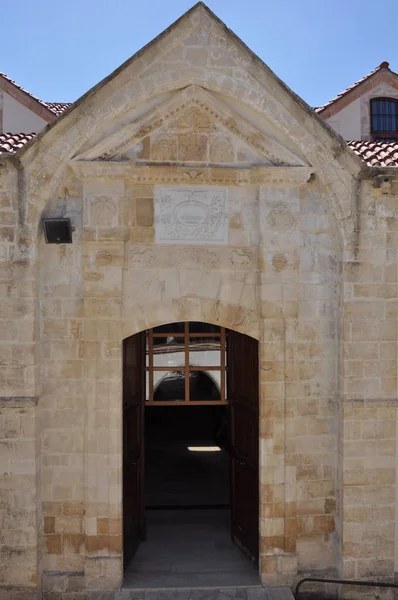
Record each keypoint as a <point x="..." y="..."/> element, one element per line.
<point x="190" y="433"/>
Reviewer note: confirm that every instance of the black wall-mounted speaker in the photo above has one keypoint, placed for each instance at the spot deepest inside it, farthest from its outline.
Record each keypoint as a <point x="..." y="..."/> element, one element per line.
<point x="57" y="231"/>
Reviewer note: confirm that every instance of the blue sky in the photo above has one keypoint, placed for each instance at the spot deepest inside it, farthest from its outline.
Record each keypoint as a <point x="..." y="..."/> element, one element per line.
<point x="58" y="50"/>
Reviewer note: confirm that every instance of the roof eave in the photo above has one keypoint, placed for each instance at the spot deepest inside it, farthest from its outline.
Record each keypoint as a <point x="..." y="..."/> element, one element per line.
<point x="26" y="99"/>
<point x="332" y="107"/>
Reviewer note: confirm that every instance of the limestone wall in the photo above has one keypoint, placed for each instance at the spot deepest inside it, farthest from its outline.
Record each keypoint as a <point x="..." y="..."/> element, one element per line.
<point x="18" y="537"/>
<point x="370" y="389"/>
<point x="18" y="449"/>
<point x="277" y="279"/>
<point x="300" y="310"/>
<point x="327" y="453"/>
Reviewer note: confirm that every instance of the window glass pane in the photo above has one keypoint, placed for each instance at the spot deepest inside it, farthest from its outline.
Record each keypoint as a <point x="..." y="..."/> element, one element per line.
<point x="148" y="374"/>
<point x="204" y="385"/>
<point x="168" y="351"/>
<point x="205" y="351"/>
<point x="170" y="359"/>
<point x="146" y="351"/>
<point x="198" y="327"/>
<point x="384" y="115"/>
<point x="170" y="328"/>
<point x="169" y="386"/>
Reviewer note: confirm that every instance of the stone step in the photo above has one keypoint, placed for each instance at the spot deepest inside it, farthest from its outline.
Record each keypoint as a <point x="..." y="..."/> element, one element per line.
<point x="235" y="593"/>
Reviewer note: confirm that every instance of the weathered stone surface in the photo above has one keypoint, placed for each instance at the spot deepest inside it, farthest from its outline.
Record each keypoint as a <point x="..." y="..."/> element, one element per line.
<point x="307" y="265"/>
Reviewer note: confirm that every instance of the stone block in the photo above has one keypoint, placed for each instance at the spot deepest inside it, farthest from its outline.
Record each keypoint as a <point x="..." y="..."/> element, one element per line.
<point x="53" y="543"/>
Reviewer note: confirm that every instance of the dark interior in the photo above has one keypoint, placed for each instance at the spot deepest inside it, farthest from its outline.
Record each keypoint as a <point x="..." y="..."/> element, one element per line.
<point x="176" y="477"/>
<point x="201" y="387"/>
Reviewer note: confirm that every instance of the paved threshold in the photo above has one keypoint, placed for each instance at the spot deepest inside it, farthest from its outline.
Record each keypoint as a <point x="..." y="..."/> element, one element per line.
<point x="209" y="593"/>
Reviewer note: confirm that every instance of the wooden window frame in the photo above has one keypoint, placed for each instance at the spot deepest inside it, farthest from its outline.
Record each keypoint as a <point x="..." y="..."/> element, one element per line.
<point x="186" y="368"/>
<point x="388" y="135"/>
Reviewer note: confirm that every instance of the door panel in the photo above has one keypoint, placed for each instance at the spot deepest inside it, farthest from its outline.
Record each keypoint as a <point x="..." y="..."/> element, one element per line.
<point x="133" y="444"/>
<point x="243" y="396"/>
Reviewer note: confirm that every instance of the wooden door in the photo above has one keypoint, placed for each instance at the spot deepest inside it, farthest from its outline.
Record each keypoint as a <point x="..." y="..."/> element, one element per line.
<point x="243" y="397"/>
<point x="133" y="444"/>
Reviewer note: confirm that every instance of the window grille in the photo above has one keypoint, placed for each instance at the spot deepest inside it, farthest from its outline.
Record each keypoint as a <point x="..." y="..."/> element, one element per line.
<point x="384" y="119"/>
<point x="186" y="363"/>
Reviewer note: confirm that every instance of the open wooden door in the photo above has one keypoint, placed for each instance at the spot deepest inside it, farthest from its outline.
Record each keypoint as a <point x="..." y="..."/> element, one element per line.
<point x="133" y="444"/>
<point x="243" y="397"/>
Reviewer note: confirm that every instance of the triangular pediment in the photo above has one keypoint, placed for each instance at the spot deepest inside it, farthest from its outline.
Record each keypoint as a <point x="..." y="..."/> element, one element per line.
<point x="191" y="126"/>
<point x="197" y="62"/>
<point x="195" y="96"/>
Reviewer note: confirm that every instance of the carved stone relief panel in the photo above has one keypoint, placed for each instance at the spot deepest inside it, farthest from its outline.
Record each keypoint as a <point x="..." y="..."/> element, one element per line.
<point x="192" y="258"/>
<point x="221" y="150"/>
<point x="237" y="259"/>
<point x="281" y="218"/>
<point x="195" y="136"/>
<point x="191" y="215"/>
<point x="193" y="147"/>
<point x="141" y="257"/>
<point x="164" y="147"/>
<point x="241" y="258"/>
<point x="101" y="202"/>
<point x="193" y="120"/>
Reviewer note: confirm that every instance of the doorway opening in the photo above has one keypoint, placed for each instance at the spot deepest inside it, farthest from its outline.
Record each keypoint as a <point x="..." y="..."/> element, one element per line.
<point x="190" y="457"/>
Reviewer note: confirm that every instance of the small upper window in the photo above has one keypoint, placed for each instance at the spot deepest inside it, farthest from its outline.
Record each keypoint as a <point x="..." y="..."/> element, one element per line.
<point x="384" y="119"/>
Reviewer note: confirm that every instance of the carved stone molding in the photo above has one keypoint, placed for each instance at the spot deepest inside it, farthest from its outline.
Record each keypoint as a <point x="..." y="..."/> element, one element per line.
<point x="168" y="174"/>
<point x="192" y="117"/>
<point x="192" y="257"/>
<point x="371" y="402"/>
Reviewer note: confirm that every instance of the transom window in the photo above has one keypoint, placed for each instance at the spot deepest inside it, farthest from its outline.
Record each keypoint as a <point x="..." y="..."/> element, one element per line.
<point x="186" y="364"/>
<point x="384" y="119"/>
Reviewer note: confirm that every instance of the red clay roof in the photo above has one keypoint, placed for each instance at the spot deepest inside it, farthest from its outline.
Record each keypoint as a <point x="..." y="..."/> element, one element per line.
<point x="374" y="154"/>
<point x="11" y="142"/>
<point x="58" y="107"/>
<point x="383" y="65"/>
<point x="55" y="107"/>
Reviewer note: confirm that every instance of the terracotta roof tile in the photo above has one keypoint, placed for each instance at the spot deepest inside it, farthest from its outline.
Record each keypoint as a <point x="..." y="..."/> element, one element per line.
<point x="383" y="65"/>
<point x="376" y="154"/>
<point x="12" y="142"/>
<point x="56" y="107"/>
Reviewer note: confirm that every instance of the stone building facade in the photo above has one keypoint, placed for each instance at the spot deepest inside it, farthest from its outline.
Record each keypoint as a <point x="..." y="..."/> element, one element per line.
<point x="300" y="253"/>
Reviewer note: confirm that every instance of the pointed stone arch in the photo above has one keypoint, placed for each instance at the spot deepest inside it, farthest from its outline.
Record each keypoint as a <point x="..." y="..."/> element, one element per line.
<point x="213" y="311"/>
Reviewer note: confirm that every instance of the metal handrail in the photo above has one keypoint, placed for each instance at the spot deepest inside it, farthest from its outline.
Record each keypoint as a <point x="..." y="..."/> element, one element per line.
<point x="379" y="584"/>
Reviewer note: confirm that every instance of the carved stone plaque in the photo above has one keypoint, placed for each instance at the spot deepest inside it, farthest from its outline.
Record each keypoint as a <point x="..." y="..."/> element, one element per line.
<point x="191" y="215"/>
